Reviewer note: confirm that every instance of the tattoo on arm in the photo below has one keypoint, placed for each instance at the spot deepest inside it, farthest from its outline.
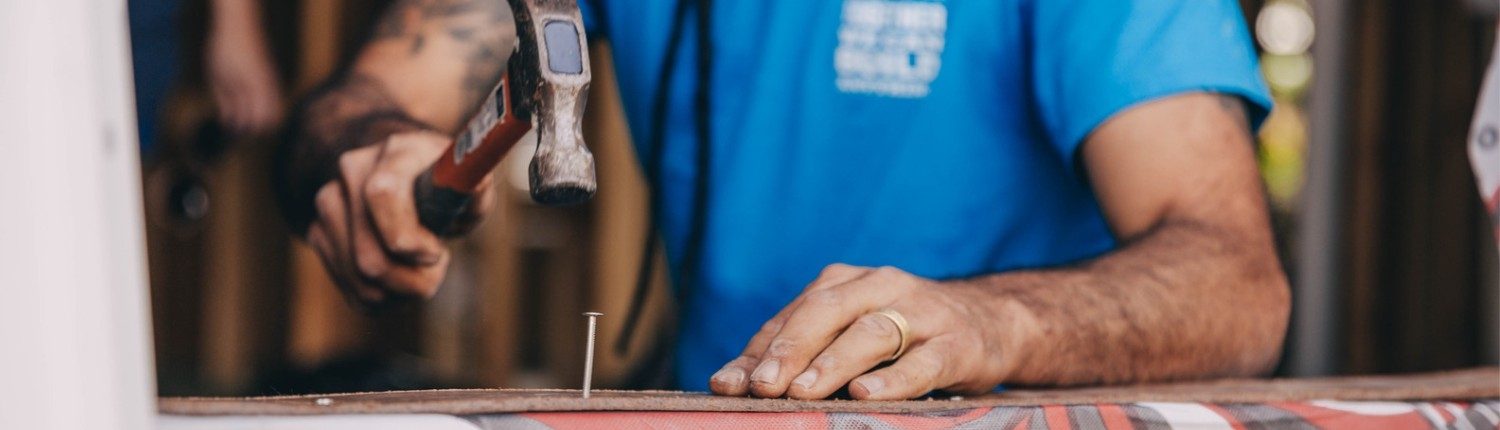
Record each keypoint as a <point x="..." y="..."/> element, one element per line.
<point x="355" y="110"/>
<point x="480" y="27"/>
<point x="337" y="117"/>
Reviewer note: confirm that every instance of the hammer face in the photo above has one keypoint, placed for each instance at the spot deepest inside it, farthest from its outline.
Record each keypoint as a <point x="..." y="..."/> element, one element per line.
<point x="551" y="69"/>
<point x="562" y="178"/>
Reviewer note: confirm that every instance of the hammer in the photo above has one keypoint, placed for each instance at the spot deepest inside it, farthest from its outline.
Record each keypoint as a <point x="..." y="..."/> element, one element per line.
<point x="544" y="86"/>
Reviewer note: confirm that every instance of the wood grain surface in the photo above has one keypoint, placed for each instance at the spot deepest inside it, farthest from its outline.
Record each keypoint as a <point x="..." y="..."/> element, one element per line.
<point x="1482" y="383"/>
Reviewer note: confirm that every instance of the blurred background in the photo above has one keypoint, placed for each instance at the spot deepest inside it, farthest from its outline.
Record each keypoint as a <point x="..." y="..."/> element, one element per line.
<point x="1379" y="224"/>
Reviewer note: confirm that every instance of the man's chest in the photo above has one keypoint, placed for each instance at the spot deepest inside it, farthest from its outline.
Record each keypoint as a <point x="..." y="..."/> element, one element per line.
<point x="866" y="50"/>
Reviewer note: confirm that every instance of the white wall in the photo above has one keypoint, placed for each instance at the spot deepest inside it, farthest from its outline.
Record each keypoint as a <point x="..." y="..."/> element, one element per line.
<point x="73" y="308"/>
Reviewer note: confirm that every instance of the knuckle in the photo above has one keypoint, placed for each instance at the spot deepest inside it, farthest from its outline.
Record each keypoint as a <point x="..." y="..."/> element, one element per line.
<point x="836" y="269"/>
<point x="772" y="326"/>
<point x="348" y="161"/>
<point x="781" y="347"/>
<point x="743" y="362"/>
<point x="875" y="325"/>
<point x="398" y="140"/>
<point x="825" y="362"/>
<point x="326" y="201"/>
<point x="406" y="142"/>
<point x="930" y="361"/>
<point x="381" y="186"/>
<point x="371" y="266"/>
<point x="826" y="298"/>
<point x="889" y="272"/>
<point x="403" y="242"/>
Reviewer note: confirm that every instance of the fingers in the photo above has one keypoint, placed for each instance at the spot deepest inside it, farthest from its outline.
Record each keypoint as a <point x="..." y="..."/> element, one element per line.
<point x="733" y="378"/>
<point x="823" y="314"/>
<point x="329" y="236"/>
<point x="370" y="201"/>
<point x="354" y="166"/>
<point x="829" y="337"/>
<point x="417" y="267"/>
<point x="867" y="343"/>
<point x="392" y="209"/>
<point x="835" y="274"/>
<point x="918" y="372"/>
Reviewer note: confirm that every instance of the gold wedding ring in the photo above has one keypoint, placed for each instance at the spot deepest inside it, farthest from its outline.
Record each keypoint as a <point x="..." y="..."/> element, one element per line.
<point x="901" y="328"/>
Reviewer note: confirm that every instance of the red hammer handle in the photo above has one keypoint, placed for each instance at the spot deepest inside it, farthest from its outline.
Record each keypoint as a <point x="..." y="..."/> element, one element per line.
<point x="445" y="189"/>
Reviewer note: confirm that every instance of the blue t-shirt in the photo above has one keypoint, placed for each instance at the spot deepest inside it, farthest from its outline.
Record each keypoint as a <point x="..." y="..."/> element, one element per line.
<point x="939" y="137"/>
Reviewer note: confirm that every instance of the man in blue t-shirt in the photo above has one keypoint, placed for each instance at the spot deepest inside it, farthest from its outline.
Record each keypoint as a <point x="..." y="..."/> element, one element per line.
<point x="892" y="196"/>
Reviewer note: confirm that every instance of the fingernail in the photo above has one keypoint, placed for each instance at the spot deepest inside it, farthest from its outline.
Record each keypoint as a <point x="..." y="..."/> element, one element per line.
<point x="871" y="384"/>
<point x="806" y="379"/>
<point x="730" y="376"/>
<point x="767" y="372"/>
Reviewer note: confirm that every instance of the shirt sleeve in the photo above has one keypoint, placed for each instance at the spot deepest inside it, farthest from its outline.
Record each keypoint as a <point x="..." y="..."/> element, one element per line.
<point x="1095" y="58"/>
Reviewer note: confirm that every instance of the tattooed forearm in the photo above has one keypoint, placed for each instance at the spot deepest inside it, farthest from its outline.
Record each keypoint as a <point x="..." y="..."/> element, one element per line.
<point x="482" y="28"/>
<point x="340" y="116"/>
<point x="486" y="65"/>
<point x="427" y="63"/>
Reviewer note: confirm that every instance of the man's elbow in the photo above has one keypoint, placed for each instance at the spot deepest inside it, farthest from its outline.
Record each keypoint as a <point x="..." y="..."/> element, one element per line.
<point x="1270" y="297"/>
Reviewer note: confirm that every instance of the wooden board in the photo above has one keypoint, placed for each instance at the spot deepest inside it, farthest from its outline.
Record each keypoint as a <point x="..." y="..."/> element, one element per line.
<point x="1483" y="383"/>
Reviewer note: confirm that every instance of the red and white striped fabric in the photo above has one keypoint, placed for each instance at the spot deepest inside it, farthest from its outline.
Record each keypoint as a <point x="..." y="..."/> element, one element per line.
<point x="1324" y="414"/>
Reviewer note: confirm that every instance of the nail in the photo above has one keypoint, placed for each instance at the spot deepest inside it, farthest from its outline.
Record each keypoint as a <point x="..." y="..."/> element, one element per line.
<point x="732" y="376"/>
<point x="767" y="372"/>
<point x="588" y="357"/>
<point x="806" y="379"/>
<point x="871" y="384"/>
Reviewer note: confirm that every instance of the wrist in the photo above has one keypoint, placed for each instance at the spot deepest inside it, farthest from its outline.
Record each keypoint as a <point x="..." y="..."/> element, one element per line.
<point x="311" y="159"/>
<point x="1008" y="328"/>
<point x="376" y="127"/>
<point x="1016" y="334"/>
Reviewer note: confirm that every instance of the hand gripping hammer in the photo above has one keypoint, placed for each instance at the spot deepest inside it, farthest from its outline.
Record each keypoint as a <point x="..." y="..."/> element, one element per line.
<point x="545" y="86"/>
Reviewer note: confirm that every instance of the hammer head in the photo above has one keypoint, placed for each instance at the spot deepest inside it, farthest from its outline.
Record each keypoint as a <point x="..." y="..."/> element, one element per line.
<point x="550" y="75"/>
<point x="562" y="177"/>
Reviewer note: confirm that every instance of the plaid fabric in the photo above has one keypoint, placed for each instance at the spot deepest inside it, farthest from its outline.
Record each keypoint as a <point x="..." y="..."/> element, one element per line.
<point x="1152" y="416"/>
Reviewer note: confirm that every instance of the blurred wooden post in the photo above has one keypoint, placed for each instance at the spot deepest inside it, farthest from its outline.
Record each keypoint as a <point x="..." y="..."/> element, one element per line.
<point x="322" y="325"/>
<point x="619" y="232"/>
<point x="1414" y="251"/>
